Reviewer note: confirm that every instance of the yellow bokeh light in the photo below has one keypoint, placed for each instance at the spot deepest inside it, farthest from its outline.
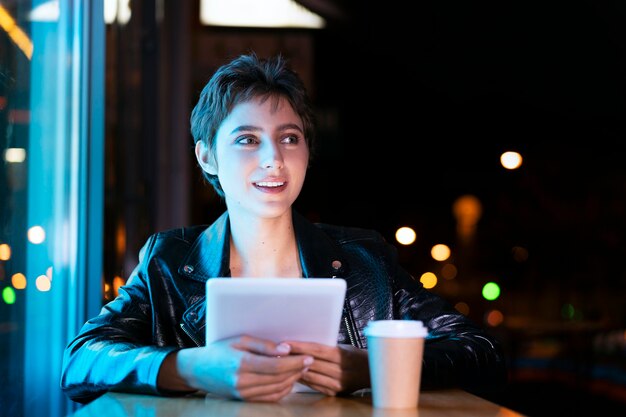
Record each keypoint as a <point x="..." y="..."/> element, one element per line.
<point x="511" y="160"/>
<point x="5" y="252"/>
<point x="428" y="280"/>
<point x="36" y="235"/>
<point x="405" y="235"/>
<point x="49" y="273"/>
<point x="120" y="239"/>
<point x="18" y="281"/>
<point x="43" y="283"/>
<point x="440" y="252"/>
<point x="117" y="283"/>
<point x="468" y="210"/>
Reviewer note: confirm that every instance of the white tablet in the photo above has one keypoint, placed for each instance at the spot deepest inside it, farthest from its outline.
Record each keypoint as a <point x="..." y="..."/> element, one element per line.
<point x="278" y="309"/>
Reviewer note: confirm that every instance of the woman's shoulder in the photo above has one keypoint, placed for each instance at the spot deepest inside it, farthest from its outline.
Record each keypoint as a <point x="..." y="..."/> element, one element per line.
<point x="181" y="238"/>
<point x="187" y="234"/>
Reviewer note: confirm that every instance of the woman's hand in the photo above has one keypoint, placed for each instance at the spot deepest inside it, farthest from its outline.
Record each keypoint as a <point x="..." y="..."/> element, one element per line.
<point x="243" y="367"/>
<point x="336" y="370"/>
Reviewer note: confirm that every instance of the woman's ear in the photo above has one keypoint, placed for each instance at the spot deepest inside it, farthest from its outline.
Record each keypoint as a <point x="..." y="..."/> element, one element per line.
<point x="205" y="159"/>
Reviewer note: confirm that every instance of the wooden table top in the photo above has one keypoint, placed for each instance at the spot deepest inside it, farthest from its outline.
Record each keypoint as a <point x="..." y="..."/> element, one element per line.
<point x="449" y="403"/>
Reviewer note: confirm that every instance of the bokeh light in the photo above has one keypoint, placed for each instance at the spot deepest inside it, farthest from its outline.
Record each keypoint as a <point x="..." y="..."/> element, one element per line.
<point x="8" y="295"/>
<point x="440" y="252"/>
<point x="117" y="283"/>
<point x="15" y="155"/>
<point x="462" y="307"/>
<point x="449" y="271"/>
<point x="5" y="252"/>
<point x="405" y="235"/>
<point x="36" y="235"/>
<point x="467" y="210"/>
<point x="428" y="280"/>
<point x="511" y="160"/>
<point x="43" y="283"/>
<point x="494" y="318"/>
<point x="18" y="280"/>
<point x="491" y="291"/>
<point x="568" y="311"/>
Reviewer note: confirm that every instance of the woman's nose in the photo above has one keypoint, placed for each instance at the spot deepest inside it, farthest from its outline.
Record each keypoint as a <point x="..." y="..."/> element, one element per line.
<point x="272" y="156"/>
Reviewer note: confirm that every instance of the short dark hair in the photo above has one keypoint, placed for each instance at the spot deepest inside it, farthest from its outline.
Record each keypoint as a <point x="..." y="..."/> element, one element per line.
<point x="243" y="79"/>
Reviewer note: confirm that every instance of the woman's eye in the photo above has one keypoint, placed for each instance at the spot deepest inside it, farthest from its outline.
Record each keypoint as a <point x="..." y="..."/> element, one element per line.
<point x="291" y="139"/>
<point x="246" y="140"/>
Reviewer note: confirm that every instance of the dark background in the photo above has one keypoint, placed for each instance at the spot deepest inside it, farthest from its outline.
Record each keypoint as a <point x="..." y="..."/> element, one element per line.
<point x="416" y="101"/>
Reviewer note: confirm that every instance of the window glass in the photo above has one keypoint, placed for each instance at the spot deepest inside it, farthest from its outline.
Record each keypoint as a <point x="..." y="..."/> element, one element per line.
<point x="51" y="151"/>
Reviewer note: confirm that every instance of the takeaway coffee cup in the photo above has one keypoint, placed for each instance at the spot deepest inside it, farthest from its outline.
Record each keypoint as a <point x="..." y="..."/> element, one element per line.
<point x="395" y="351"/>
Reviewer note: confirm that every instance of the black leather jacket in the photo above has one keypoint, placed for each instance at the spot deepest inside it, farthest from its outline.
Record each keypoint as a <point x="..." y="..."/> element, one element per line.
<point x="161" y="309"/>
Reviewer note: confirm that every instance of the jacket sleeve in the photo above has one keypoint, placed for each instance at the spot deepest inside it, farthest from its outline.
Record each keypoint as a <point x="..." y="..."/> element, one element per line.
<point x="457" y="352"/>
<point x="114" y="350"/>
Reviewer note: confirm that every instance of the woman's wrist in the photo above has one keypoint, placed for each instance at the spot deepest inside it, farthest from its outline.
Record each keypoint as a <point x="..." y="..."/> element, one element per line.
<point x="169" y="378"/>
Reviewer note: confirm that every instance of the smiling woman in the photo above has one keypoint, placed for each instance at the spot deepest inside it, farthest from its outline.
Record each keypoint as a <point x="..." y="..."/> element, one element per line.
<point x="253" y="128"/>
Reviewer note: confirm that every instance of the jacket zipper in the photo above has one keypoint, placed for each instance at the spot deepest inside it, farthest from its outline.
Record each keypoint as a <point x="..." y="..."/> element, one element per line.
<point x="191" y="336"/>
<point x="346" y="322"/>
<point x="345" y="319"/>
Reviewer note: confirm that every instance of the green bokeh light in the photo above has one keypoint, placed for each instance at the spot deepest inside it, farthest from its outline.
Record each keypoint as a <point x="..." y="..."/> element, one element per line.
<point x="568" y="311"/>
<point x="8" y="295"/>
<point x="491" y="291"/>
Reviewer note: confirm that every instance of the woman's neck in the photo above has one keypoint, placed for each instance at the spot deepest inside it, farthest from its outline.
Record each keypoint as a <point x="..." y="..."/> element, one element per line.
<point x="264" y="248"/>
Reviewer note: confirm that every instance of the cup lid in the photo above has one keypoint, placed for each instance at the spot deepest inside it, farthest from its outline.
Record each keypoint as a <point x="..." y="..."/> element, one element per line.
<point x="396" y="328"/>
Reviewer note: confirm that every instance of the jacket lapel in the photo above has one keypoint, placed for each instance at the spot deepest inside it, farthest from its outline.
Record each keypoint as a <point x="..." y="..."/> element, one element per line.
<point x="209" y="255"/>
<point x="319" y="255"/>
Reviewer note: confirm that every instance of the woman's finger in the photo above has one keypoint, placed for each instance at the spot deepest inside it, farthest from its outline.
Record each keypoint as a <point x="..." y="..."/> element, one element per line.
<point x="322" y="382"/>
<point x="248" y="379"/>
<point x="317" y="350"/>
<point x="260" y="364"/>
<point x="269" y="392"/>
<point x="260" y="346"/>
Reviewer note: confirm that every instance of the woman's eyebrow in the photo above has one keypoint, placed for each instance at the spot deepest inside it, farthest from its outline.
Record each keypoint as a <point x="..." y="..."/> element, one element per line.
<point x="279" y="128"/>
<point x="288" y="126"/>
<point x="246" y="128"/>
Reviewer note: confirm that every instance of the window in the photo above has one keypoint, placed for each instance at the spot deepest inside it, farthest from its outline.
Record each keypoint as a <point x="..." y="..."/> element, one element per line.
<point x="51" y="200"/>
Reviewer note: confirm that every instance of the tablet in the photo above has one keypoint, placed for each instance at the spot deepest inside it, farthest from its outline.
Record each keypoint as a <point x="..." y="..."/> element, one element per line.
<point x="278" y="309"/>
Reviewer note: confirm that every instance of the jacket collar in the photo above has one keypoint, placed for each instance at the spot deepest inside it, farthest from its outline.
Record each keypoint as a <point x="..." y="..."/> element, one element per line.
<point x="209" y="255"/>
<point x="320" y="256"/>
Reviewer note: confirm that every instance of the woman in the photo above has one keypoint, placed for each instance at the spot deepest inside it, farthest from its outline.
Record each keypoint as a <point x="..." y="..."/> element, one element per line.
<point x="253" y="131"/>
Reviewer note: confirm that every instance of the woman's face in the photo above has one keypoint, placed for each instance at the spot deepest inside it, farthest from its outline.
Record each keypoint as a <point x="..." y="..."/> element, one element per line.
<point x="261" y="157"/>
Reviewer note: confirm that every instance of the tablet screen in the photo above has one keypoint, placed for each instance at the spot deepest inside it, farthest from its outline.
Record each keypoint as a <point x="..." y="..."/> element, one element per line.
<point x="307" y="309"/>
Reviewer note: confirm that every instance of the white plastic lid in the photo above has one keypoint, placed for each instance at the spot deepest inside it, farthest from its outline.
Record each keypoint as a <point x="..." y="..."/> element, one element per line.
<point x="395" y="328"/>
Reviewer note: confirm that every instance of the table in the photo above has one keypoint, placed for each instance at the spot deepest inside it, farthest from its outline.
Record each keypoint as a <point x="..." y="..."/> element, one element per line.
<point x="448" y="403"/>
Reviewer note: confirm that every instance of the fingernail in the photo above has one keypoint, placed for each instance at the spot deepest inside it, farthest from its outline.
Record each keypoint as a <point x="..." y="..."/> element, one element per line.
<point x="283" y="348"/>
<point x="305" y="369"/>
<point x="308" y="361"/>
